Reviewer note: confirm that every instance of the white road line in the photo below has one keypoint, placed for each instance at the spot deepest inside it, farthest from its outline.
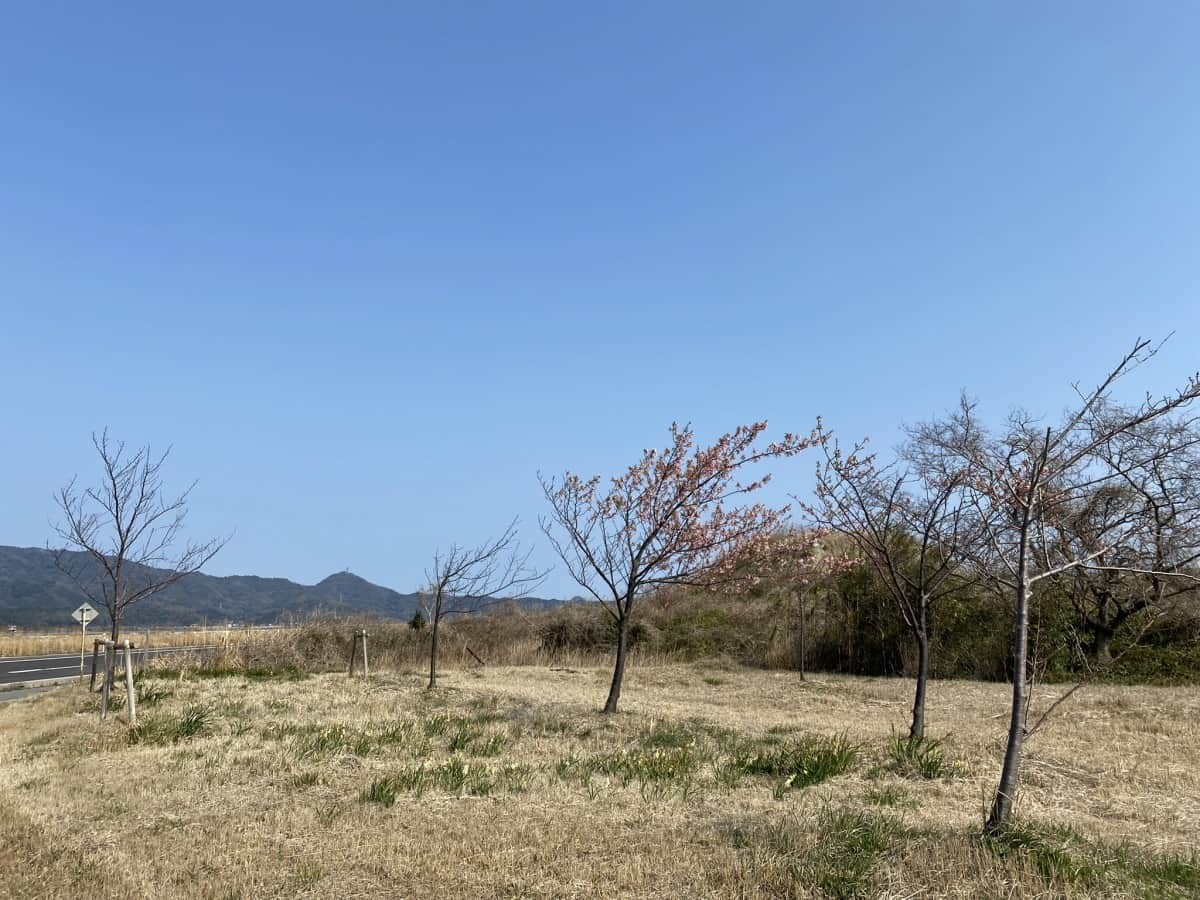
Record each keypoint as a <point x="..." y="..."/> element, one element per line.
<point x="46" y="669"/>
<point x="4" y="659"/>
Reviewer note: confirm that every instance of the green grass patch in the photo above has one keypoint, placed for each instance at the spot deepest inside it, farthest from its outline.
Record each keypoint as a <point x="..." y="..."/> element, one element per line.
<point x="643" y="766"/>
<point x="853" y="841"/>
<point x="452" y="777"/>
<point x="801" y="762"/>
<point x="473" y="740"/>
<point x="836" y="854"/>
<point x="670" y="736"/>
<point x="193" y="721"/>
<point x="889" y="796"/>
<point x="1050" y="850"/>
<point x="316" y="741"/>
<point x="918" y="758"/>
<point x="1062" y="855"/>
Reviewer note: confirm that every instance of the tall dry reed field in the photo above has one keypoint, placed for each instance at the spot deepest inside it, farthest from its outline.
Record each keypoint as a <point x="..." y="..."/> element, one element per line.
<point x="34" y="643"/>
<point x="508" y="637"/>
<point x="505" y="636"/>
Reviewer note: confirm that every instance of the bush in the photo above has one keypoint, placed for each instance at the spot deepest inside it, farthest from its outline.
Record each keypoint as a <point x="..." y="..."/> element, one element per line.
<point x="587" y="629"/>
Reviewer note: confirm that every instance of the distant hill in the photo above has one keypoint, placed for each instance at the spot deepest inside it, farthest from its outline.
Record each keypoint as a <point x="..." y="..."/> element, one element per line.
<point x="34" y="592"/>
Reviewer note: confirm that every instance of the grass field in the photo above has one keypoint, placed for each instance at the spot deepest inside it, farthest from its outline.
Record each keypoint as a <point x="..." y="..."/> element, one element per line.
<point x="712" y="782"/>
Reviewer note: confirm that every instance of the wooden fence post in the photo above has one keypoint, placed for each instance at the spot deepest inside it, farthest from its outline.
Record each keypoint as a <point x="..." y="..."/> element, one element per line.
<point x="95" y="658"/>
<point x="130" y="694"/>
<point x="360" y="634"/>
<point x="109" y="653"/>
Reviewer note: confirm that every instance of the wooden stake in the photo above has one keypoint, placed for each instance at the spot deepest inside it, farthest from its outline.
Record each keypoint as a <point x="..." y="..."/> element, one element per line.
<point x="359" y="635"/>
<point x="95" y="658"/>
<point x="109" y="653"/>
<point x="130" y="694"/>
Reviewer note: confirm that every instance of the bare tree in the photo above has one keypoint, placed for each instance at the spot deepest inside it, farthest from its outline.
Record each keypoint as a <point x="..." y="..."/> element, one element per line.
<point x="1159" y="466"/>
<point x="664" y="521"/>
<point x="468" y="579"/>
<point x="129" y="530"/>
<point x="1025" y="482"/>
<point x="909" y="523"/>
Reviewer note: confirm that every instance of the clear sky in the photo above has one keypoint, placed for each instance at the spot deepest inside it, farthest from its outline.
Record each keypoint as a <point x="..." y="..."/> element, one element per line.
<point x="369" y="267"/>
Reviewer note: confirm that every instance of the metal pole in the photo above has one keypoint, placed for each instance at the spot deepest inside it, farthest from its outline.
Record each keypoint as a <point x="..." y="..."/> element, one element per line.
<point x="82" y="645"/>
<point x="364" y="640"/>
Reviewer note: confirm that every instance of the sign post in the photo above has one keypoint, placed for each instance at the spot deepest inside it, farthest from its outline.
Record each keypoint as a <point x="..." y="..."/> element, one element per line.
<point x="83" y="615"/>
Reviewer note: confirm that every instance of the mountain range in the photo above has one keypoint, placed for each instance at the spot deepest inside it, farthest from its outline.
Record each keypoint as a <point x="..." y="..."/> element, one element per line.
<point x="35" y="592"/>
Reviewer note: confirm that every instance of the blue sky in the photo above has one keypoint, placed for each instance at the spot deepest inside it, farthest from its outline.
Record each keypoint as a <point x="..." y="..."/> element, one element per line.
<point x="370" y="267"/>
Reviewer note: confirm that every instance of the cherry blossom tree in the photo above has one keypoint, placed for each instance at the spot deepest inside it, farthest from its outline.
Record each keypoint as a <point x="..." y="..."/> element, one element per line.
<point x="909" y="524"/>
<point x="669" y="519"/>
<point x="790" y="565"/>
<point x="1025" y="482"/>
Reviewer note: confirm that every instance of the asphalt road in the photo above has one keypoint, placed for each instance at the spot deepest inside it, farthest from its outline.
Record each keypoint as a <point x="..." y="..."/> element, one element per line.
<point x="20" y="669"/>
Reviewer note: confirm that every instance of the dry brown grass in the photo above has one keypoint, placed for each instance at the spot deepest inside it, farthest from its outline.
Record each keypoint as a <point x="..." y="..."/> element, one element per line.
<point x="266" y="804"/>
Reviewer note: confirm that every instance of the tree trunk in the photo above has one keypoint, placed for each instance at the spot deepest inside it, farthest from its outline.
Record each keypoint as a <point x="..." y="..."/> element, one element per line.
<point x="916" y="730"/>
<point x="433" y="651"/>
<point x="614" y="692"/>
<point x="804" y="639"/>
<point x="1007" y="789"/>
<point x="1102" y="646"/>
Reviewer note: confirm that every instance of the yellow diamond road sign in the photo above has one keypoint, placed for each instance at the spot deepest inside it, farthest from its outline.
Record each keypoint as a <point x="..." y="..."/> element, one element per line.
<point x="85" y="613"/>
